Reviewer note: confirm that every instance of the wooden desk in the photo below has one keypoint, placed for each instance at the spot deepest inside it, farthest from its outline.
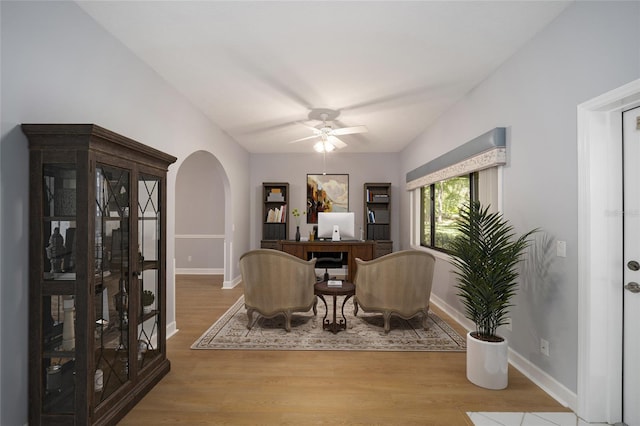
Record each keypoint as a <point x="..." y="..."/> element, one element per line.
<point x="365" y="250"/>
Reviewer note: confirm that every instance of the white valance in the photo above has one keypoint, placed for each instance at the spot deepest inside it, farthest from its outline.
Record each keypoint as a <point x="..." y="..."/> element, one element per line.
<point x="485" y="151"/>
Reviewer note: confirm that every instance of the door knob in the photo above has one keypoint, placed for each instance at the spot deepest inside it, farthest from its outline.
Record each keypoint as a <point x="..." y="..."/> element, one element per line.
<point x="633" y="287"/>
<point x="633" y="265"/>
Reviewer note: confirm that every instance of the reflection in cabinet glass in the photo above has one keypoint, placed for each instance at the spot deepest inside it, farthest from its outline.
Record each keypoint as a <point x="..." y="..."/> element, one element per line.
<point x="97" y="255"/>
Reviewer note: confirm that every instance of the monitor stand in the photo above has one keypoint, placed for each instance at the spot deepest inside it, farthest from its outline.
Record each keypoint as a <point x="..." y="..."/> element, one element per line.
<point x="336" y="233"/>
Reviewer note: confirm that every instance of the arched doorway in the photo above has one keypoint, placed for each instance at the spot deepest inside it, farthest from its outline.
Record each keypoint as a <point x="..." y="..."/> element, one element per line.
<point x="201" y="234"/>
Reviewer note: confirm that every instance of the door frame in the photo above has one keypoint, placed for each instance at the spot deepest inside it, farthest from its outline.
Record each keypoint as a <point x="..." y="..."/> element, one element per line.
<point x="600" y="256"/>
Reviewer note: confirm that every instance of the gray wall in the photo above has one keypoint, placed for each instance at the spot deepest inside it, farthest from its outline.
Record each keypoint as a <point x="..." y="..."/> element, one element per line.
<point x="58" y="66"/>
<point x="591" y="48"/>
<point x="293" y="168"/>
<point x="200" y="209"/>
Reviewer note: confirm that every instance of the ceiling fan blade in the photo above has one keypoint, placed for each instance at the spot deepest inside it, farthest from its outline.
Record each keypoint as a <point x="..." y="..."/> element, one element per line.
<point x="310" y="127"/>
<point x="304" y="139"/>
<point x="336" y="142"/>
<point x="350" y="130"/>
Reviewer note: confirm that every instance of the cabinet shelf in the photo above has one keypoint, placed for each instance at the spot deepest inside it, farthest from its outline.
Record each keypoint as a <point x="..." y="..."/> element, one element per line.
<point x="61" y="400"/>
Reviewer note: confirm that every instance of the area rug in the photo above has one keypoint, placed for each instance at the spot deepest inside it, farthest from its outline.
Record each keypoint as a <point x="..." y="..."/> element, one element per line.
<point x="364" y="332"/>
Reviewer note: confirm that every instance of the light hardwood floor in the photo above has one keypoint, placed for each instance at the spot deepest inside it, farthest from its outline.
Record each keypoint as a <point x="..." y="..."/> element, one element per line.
<point x="208" y="387"/>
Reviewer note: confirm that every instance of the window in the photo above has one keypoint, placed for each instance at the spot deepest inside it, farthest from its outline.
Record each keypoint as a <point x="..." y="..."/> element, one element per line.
<point x="440" y="205"/>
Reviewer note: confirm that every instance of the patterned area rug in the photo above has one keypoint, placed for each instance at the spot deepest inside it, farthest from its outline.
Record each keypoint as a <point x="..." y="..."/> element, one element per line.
<point x="364" y="332"/>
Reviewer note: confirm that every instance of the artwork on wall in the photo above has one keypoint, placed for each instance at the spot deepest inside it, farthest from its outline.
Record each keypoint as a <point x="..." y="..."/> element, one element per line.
<point x="326" y="193"/>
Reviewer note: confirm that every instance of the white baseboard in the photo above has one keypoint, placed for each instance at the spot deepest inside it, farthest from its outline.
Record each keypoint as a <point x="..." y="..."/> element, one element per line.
<point x="227" y="285"/>
<point x="543" y="380"/>
<point x="547" y="383"/>
<point x="199" y="271"/>
<point x="172" y="328"/>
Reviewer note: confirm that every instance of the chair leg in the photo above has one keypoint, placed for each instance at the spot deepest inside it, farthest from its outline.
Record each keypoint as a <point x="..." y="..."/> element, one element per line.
<point x="250" y="316"/>
<point x="425" y="320"/>
<point x="387" y="321"/>
<point x="287" y="321"/>
<point x="315" y="306"/>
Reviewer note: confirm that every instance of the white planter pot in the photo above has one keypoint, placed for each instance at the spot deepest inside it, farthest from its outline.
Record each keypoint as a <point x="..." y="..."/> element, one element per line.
<point x="487" y="363"/>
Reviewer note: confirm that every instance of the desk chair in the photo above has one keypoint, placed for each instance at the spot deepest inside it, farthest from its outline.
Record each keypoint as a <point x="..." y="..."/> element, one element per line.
<point x="328" y="260"/>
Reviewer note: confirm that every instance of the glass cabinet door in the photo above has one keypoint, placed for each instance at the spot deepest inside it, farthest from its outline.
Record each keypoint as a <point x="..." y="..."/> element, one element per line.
<point x="58" y="304"/>
<point x="149" y="257"/>
<point x="112" y="284"/>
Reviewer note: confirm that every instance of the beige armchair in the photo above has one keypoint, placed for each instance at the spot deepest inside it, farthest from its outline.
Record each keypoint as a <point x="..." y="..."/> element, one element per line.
<point x="277" y="283"/>
<point x="398" y="283"/>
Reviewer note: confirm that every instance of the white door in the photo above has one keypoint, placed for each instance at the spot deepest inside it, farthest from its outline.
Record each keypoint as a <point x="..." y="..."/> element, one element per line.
<point x="631" y="351"/>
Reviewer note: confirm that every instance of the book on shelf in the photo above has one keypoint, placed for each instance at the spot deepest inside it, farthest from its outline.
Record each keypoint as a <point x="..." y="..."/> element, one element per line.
<point x="371" y="215"/>
<point x="277" y="214"/>
<point x="381" y="197"/>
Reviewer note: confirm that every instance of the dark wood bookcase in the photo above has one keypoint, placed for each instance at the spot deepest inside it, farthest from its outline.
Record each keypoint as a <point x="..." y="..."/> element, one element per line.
<point x="97" y="223"/>
<point x="275" y="211"/>
<point x="377" y="216"/>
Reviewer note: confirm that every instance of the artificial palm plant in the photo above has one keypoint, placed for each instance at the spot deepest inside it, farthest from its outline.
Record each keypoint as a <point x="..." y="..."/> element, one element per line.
<point x="486" y="254"/>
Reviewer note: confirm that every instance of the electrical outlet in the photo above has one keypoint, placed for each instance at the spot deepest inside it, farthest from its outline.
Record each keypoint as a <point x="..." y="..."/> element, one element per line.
<point x="188" y="258"/>
<point x="544" y="347"/>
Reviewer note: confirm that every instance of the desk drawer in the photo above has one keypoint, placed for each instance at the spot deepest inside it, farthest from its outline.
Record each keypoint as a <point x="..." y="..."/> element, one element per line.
<point x="383" y="247"/>
<point x="269" y="244"/>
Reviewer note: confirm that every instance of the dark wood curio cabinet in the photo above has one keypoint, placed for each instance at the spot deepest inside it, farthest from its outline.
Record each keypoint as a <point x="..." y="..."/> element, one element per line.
<point x="97" y="273"/>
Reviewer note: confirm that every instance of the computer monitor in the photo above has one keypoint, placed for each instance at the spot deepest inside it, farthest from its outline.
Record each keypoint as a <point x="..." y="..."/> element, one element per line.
<point x="344" y="221"/>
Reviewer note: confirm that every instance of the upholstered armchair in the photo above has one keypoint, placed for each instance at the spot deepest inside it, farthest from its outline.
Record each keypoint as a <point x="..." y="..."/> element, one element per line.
<point x="277" y="283"/>
<point x="395" y="284"/>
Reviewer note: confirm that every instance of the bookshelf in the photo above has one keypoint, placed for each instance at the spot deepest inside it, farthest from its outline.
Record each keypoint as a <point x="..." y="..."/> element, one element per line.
<point x="275" y="197"/>
<point x="377" y="216"/>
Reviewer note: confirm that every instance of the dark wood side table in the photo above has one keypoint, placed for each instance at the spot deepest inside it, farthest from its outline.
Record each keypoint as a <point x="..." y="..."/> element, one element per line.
<point x="321" y="289"/>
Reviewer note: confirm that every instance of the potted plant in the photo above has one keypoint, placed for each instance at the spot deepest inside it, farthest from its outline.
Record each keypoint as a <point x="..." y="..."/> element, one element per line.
<point x="147" y="300"/>
<point x="296" y="214"/>
<point x="486" y="254"/>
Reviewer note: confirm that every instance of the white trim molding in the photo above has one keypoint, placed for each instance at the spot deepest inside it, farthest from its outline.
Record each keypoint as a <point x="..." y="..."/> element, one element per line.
<point x="600" y="259"/>
<point x="228" y="285"/>
<point x="200" y="236"/>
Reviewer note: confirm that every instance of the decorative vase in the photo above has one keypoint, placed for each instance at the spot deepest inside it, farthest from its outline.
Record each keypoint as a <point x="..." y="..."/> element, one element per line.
<point x="487" y="363"/>
<point x="297" y="233"/>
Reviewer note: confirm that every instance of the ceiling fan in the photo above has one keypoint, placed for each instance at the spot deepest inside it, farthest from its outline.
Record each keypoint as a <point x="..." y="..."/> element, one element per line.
<point x="327" y="134"/>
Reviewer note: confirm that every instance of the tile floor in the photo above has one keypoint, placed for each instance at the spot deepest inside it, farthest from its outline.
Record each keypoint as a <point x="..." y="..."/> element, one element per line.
<point x="527" y="419"/>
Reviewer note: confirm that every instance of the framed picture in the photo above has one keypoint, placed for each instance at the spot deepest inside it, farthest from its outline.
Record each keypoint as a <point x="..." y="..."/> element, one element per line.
<point x="326" y="193"/>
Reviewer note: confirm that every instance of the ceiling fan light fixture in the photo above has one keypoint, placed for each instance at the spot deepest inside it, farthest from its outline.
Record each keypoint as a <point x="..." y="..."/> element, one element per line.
<point x="323" y="146"/>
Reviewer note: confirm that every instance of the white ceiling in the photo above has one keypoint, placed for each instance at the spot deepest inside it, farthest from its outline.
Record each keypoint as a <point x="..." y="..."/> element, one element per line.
<point x="256" y="69"/>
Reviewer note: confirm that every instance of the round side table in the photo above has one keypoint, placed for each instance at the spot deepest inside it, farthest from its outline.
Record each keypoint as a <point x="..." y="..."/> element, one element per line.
<point x="322" y="289"/>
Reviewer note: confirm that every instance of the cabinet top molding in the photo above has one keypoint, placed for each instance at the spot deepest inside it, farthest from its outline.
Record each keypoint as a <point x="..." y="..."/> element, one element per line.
<point x="89" y="136"/>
